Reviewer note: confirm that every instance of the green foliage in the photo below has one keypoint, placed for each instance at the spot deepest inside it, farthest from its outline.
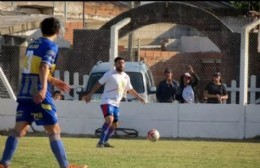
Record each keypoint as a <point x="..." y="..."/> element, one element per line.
<point x="35" y="152"/>
<point x="246" y="6"/>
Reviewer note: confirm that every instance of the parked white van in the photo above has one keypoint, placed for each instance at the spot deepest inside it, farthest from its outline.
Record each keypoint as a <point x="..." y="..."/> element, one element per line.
<point x="140" y="76"/>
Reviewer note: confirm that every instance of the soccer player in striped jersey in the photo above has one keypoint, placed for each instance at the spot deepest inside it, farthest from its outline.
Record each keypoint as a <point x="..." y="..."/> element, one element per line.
<point x="35" y="103"/>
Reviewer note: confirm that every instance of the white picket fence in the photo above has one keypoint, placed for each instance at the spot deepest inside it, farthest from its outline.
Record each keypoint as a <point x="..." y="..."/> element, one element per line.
<point x="233" y="89"/>
<point x="252" y="91"/>
<point x="75" y="85"/>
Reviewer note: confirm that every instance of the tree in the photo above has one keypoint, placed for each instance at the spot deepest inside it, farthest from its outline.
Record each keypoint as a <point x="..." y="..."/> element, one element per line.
<point x="246" y="6"/>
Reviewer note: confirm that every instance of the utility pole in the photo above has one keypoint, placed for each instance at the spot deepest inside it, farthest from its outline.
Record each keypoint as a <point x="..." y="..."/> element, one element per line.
<point x="130" y="37"/>
<point x="84" y="25"/>
<point x="65" y="11"/>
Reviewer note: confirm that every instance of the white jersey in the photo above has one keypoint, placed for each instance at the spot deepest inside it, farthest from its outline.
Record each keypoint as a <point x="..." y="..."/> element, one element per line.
<point x="188" y="94"/>
<point x="116" y="85"/>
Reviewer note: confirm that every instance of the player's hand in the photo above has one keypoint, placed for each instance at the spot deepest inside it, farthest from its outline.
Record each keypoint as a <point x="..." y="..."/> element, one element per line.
<point x="141" y="100"/>
<point x="87" y="98"/>
<point x="190" y="69"/>
<point x="61" y="85"/>
<point x="40" y="96"/>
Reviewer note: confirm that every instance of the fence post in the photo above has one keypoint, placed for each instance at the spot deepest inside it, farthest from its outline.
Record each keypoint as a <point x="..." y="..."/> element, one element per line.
<point x="252" y="89"/>
<point x="75" y="85"/>
<point x="57" y="74"/>
<point x="67" y="80"/>
<point x="85" y="81"/>
<point x="233" y="91"/>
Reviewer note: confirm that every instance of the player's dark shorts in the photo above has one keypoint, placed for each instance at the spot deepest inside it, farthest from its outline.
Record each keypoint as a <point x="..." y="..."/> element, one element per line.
<point x="108" y="109"/>
<point x="41" y="114"/>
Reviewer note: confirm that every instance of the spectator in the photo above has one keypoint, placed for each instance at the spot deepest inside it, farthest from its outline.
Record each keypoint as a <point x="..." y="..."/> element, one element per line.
<point x="163" y="44"/>
<point x="186" y="91"/>
<point x="215" y="91"/>
<point x="166" y="90"/>
<point x="57" y="95"/>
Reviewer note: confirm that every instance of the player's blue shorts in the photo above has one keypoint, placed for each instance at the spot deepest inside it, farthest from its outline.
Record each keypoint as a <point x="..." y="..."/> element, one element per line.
<point x="108" y="109"/>
<point x="42" y="114"/>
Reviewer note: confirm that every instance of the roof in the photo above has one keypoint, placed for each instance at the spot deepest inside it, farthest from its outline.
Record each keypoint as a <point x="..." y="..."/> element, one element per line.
<point x="18" y="23"/>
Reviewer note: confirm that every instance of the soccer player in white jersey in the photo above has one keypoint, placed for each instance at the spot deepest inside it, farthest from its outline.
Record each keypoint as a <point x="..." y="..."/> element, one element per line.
<point x="117" y="83"/>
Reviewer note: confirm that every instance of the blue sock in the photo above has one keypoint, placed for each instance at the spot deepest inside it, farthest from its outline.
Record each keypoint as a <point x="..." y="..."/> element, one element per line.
<point x="109" y="133"/>
<point x="104" y="132"/>
<point x="10" y="147"/>
<point x="59" y="152"/>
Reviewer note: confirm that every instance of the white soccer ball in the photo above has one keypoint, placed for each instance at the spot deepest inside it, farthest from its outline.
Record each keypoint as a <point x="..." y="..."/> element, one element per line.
<point x="153" y="135"/>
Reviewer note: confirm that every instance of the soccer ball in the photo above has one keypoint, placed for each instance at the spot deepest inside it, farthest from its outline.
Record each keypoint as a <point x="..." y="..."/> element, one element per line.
<point x="153" y="135"/>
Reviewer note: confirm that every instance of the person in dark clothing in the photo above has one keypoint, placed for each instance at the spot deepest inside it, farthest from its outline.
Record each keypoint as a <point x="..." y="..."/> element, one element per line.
<point x="186" y="93"/>
<point x="166" y="89"/>
<point x="215" y="92"/>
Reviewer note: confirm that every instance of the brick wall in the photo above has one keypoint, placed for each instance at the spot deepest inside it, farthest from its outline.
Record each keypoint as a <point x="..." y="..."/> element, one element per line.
<point x="69" y="28"/>
<point x="203" y="64"/>
<point x="105" y="10"/>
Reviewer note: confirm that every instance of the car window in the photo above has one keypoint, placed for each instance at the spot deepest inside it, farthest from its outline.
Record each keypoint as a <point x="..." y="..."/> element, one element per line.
<point x="93" y="79"/>
<point x="137" y="81"/>
<point x="135" y="77"/>
<point x="151" y="78"/>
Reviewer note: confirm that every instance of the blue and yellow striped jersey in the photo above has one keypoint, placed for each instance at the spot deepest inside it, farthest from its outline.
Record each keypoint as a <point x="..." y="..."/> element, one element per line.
<point x="40" y="51"/>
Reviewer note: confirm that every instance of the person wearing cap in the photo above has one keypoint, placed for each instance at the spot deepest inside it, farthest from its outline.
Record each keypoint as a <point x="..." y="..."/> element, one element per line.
<point x="215" y="91"/>
<point x="186" y="91"/>
<point x="166" y="89"/>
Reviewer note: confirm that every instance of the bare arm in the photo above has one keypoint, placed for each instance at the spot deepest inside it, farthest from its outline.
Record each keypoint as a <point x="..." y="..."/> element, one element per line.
<point x="207" y="95"/>
<point x="59" y="84"/>
<point x="217" y="96"/>
<point x="135" y="94"/>
<point x="225" y="97"/>
<point x="93" y="90"/>
<point x="43" y="75"/>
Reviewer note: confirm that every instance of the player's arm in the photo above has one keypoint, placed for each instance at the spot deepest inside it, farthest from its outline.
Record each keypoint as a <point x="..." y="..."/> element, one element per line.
<point x="43" y="75"/>
<point x="93" y="90"/>
<point x="59" y="84"/>
<point x="135" y="94"/>
<point x="225" y="95"/>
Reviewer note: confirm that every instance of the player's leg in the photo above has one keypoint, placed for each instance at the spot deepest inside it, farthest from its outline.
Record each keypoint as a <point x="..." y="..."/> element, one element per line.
<point x="57" y="145"/>
<point x="19" y="130"/>
<point x="105" y="128"/>
<point x="48" y="118"/>
<point x="112" y="127"/>
<point x="108" y="114"/>
<point x="23" y="119"/>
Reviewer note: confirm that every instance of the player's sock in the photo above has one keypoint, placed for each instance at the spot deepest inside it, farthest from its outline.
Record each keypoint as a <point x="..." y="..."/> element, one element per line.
<point x="58" y="150"/>
<point x="10" y="147"/>
<point x="109" y="133"/>
<point x="104" y="132"/>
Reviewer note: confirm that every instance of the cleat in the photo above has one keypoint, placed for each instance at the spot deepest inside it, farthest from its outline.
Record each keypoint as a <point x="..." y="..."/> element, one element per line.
<point x="100" y="145"/>
<point x="3" y="166"/>
<point x="76" y="166"/>
<point x="107" y="145"/>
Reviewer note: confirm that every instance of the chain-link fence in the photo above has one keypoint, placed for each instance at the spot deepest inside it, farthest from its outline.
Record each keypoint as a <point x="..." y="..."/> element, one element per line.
<point x="159" y="45"/>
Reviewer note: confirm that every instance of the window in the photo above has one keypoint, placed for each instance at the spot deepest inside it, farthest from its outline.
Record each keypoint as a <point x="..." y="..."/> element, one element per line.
<point x="137" y="81"/>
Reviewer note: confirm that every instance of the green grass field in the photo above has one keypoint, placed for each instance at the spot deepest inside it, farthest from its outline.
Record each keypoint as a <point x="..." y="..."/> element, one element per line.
<point x="34" y="152"/>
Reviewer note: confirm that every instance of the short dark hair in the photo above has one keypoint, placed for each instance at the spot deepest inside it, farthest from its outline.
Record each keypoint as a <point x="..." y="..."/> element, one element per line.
<point x="50" y="26"/>
<point x="56" y="92"/>
<point x="118" y="59"/>
<point x="167" y="70"/>
<point x="217" y="74"/>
